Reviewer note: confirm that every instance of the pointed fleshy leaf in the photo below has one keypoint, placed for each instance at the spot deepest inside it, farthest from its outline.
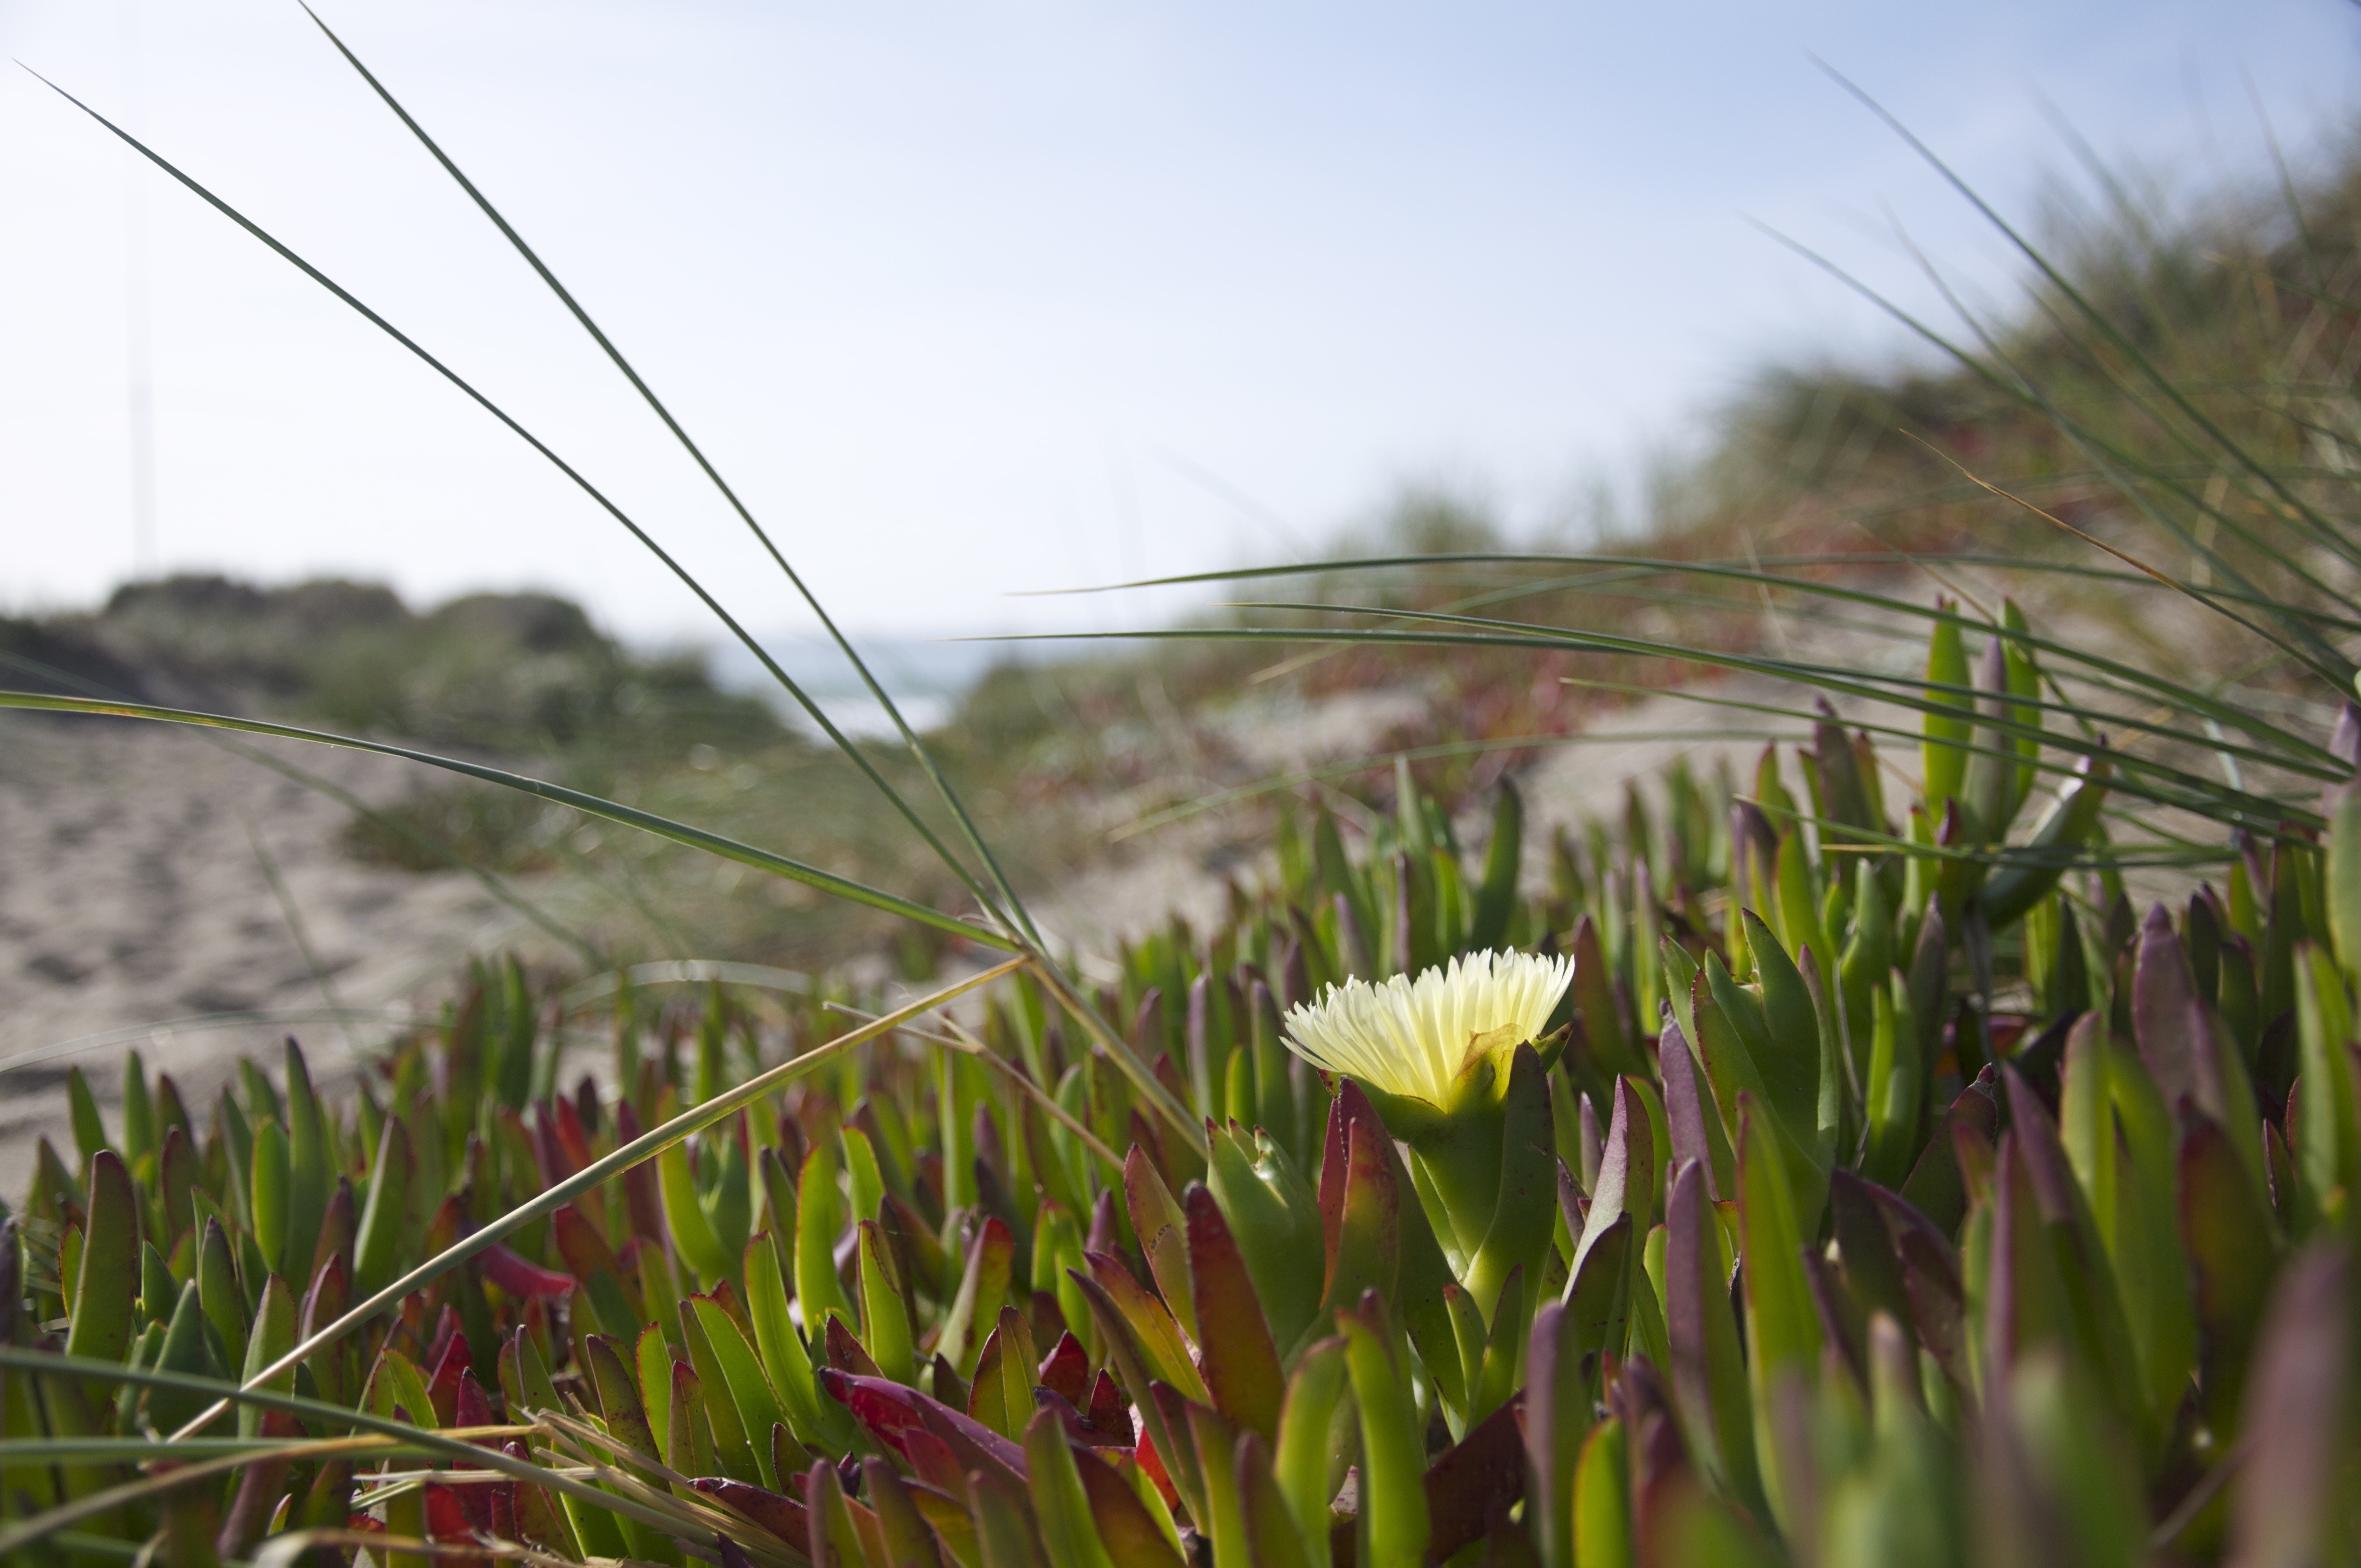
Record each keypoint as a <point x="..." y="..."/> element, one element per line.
<point x="983" y="1288"/>
<point x="1694" y="1121"/>
<point x="1524" y="1214"/>
<point x="1276" y="1221"/>
<point x="1151" y="1326"/>
<point x="1937" y="1188"/>
<point x="2184" y="1046"/>
<point x="1557" y="1416"/>
<point x="2233" y="1261"/>
<point x="782" y="1516"/>
<point x="885" y="1307"/>
<point x="1001" y="1394"/>
<point x="1155" y="1220"/>
<point x="1605" y="1037"/>
<point x="909" y="1542"/>
<point x="1215" y="1443"/>
<point x="102" y="1305"/>
<point x="893" y="1412"/>
<point x="1626" y="1173"/>
<point x="742" y="1378"/>
<point x="1394" y="1519"/>
<point x="1477" y="1480"/>
<point x="1365" y="1252"/>
<point x="1708" y="1373"/>
<point x="2292" y="1501"/>
<point x="1239" y="1361"/>
<point x="1267" y="1524"/>
<point x="2327" y="1140"/>
<point x="384" y="1220"/>
<point x="1783" y="1326"/>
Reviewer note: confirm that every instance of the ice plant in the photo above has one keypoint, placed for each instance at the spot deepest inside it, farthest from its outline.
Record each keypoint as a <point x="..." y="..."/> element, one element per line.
<point x="1453" y="1060"/>
<point x="1417" y="1039"/>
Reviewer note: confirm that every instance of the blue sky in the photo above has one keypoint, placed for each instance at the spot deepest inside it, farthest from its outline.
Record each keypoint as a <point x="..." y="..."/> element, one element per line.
<point x="960" y="296"/>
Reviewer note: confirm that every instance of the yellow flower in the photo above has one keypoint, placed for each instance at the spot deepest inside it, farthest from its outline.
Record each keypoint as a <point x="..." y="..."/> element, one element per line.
<point x="1417" y="1038"/>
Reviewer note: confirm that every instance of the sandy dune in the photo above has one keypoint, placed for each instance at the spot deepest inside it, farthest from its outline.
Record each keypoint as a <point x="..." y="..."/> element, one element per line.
<point x="135" y="911"/>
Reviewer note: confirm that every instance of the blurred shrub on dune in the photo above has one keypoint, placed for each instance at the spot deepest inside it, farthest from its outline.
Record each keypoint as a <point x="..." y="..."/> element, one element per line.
<point x="513" y="672"/>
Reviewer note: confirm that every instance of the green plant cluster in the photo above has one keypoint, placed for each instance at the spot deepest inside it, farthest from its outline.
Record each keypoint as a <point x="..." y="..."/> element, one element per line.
<point x="1890" y="1189"/>
<point x="1868" y="1203"/>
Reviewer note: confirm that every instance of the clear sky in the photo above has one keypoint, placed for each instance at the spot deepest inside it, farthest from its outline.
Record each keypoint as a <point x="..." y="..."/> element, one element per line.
<point x="968" y="298"/>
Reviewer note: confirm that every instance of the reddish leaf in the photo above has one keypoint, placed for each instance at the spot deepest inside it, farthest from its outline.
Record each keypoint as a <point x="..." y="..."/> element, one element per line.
<point x="1240" y="1363"/>
<point x="1936" y="1187"/>
<point x="1109" y="1414"/>
<point x="845" y="1353"/>
<point x="446" y="1518"/>
<point x="443" y="1388"/>
<point x="471" y="1409"/>
<point x="1485" y="1472"/>
<point x="1078" y="1430"/>
<point x="1684" y="1108"/>
<point x="932" y="1460"/>
<point x="1066" y="1369"/>
<point x="557" y="1163"/>
<point x="640" y="1195"/>
<point x="1366" y="1250"/>
<point x="1127" y="1530"/>
<point x="1349" y="1103"/>
<point x="584" y="1250"/>
<point x="891" y="1411"/>
<point x="446" y="1329"/>
<point x="783" y="1517"/>
<point x="572" y="1137"/>
<point x="1151" y="1464"/>
<point x="2164" y="1016"/>
<point x="522" y="1278"/>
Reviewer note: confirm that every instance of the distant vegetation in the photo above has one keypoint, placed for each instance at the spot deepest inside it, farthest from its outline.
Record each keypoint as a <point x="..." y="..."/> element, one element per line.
<point x="514" y="673"/>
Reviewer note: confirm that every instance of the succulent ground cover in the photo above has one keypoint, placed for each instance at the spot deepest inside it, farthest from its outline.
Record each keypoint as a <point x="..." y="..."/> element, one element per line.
<point x="1844" y="1203"/>
<point x="1833" y="1166"/>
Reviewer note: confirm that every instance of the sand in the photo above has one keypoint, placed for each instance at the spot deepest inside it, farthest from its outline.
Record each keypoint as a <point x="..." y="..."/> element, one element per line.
<point x="136" y="913"/>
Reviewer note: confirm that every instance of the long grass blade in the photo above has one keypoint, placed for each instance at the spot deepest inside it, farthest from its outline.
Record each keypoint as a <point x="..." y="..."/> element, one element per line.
<point x="1901" y="691"/>
<point x="2129" y="674"/>
<point x="1015" y="907"/>
<point x="2324" y="658"/>
<point x="2327" y="533"/>
<point x="2113" y="458"/>
<point x="1916" y="693"/>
